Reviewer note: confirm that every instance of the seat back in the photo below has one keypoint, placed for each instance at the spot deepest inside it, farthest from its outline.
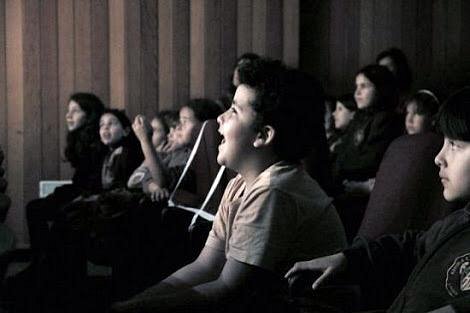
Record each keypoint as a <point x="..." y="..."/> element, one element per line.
<point x="407" y="192"/>
<point x="205" y="168"/>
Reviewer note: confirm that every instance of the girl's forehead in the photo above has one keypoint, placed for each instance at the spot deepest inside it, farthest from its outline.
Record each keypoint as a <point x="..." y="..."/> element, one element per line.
<point x="186" y="112"/>
<point x="74" y="105"/>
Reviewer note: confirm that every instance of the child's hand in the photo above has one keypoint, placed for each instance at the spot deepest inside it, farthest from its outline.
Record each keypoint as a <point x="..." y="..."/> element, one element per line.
<point x="142" y="128"/>
<point x="359" y="187"/>
<point x="157" y="193"/>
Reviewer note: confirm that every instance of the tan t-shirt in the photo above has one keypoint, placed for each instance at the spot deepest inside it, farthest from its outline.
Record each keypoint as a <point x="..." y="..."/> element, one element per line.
<point x="285" y="217"/>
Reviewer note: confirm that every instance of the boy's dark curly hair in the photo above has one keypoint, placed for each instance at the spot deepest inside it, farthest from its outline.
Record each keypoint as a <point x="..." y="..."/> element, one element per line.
<point x="290" y="101"/>
<point x="84" y="141"/>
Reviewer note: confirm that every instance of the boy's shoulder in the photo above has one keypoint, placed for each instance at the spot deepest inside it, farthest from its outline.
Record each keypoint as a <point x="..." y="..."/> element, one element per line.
<point x="292" y="181"/>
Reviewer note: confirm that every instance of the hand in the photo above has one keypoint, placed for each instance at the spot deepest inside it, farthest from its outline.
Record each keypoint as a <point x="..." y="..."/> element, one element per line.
<point x="359" y="187"/>
<point x="142" y="128"/>
<point x="329" y="266"/>
<point x="157" y="193"/>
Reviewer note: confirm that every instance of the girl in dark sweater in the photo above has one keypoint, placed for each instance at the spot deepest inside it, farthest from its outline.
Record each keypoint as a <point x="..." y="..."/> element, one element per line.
<point x="84" y="151"/>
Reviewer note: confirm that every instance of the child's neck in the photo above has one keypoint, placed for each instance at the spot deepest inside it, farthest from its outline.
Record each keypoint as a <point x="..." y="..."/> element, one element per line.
<point x="252" y="170"/>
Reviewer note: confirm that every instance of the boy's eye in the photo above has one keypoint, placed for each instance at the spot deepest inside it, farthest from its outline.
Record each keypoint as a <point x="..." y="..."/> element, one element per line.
<point x="232" y="109"/>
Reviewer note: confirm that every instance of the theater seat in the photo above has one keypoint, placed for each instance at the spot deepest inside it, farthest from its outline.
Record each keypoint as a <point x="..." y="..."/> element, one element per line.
<point x="407" y="192"/>
<point x="205" y="169"/>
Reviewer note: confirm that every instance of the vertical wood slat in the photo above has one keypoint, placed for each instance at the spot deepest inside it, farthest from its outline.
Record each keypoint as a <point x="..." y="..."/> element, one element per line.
<point x="31" y="105"/>
<point x="149" y="57"/>
<point x="133" y="58"/>
<point x="82" y="32"/>
<point x="173" y="53"/>
<point x="212" y="49"/>
<point x="244" y="26"/>
<point x="15" y="100"/>
<point x="439" y="38"/>
<point x="66" y="47"/>
<point x="367" y="35"/>
<point x="50" y="156"/>
<point x="351" y="46"/>
<point x="197" y="49"/>
<point x="274" y="30"/>
<point x="424" y="36"/>
<point x="228" y="45"/>
<point x="117" y="64"/>
<point x="290" y="36"/>
<point x="100" y="49"/>
<point x="453" y="60"/>
<point x="409" y="32"/>
<point x="337" y="66"/>
<point x="259" y="26"/>
<point x="3" y="85"/>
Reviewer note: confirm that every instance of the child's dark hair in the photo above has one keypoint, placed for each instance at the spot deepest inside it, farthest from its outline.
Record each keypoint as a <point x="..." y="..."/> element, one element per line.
<point x="290" y="101"/>
<point x="426" y="102"/>
<point x="165" y="119"/>
<point x="347" y="100"/>
<point x="130" y="140"/>
<point x="454" y="116"/>
<point x="204" y="109"/>
<point x="386" y="96"/>
<point x="403" y="70"/>
<point x="85" y="139"/>
<point x="171" y="118"/>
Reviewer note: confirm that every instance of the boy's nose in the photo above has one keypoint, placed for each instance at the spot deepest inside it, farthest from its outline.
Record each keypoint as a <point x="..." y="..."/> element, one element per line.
<point x="220" y="118"/>
<point x="439" y="159"/>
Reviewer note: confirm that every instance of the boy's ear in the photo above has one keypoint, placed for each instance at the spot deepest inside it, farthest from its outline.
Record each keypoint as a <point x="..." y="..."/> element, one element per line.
<point x="265" y="136"/>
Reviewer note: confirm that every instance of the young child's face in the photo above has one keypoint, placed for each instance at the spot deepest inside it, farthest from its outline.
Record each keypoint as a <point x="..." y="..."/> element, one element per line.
<point x="454" y="164"/>
<point x="111" y="130"/>
<point x="365" y="92"/>
<point x="75" y="116"/>
<point x="189" y="126"/>
<point x="158" y="133"/>
<point x="236" y="125"/>
<point x="342" y="116"/>
<point x="416" y="123"/>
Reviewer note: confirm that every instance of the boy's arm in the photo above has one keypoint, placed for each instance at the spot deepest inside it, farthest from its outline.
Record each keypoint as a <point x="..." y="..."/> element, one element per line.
<point x="201" y="284"/>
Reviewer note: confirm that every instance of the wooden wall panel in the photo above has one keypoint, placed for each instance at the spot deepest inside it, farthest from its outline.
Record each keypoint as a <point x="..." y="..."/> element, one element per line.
<point x="82" y="51"/>
<point x="100" y="49"/>
<point x="133" y="58"/>
<point x="290" y="25"/>
<point x="228" y="44"/>
<point x="197" y="52"/>
<point x="66" y="47"/>
<point x="431" y="33"/>
<point x="314" y="34"/>
<point x="3" y="85"/>
<point x="15" y="101"/>
<point x="424" y="55"/>
<point x="149" y="57"/>
<point x="244" y="26"/>
<point x="31" y="105"/>
<point x="50" y="128"/>
<point x="117" y="45"/>
<point x="173" y="53"/>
